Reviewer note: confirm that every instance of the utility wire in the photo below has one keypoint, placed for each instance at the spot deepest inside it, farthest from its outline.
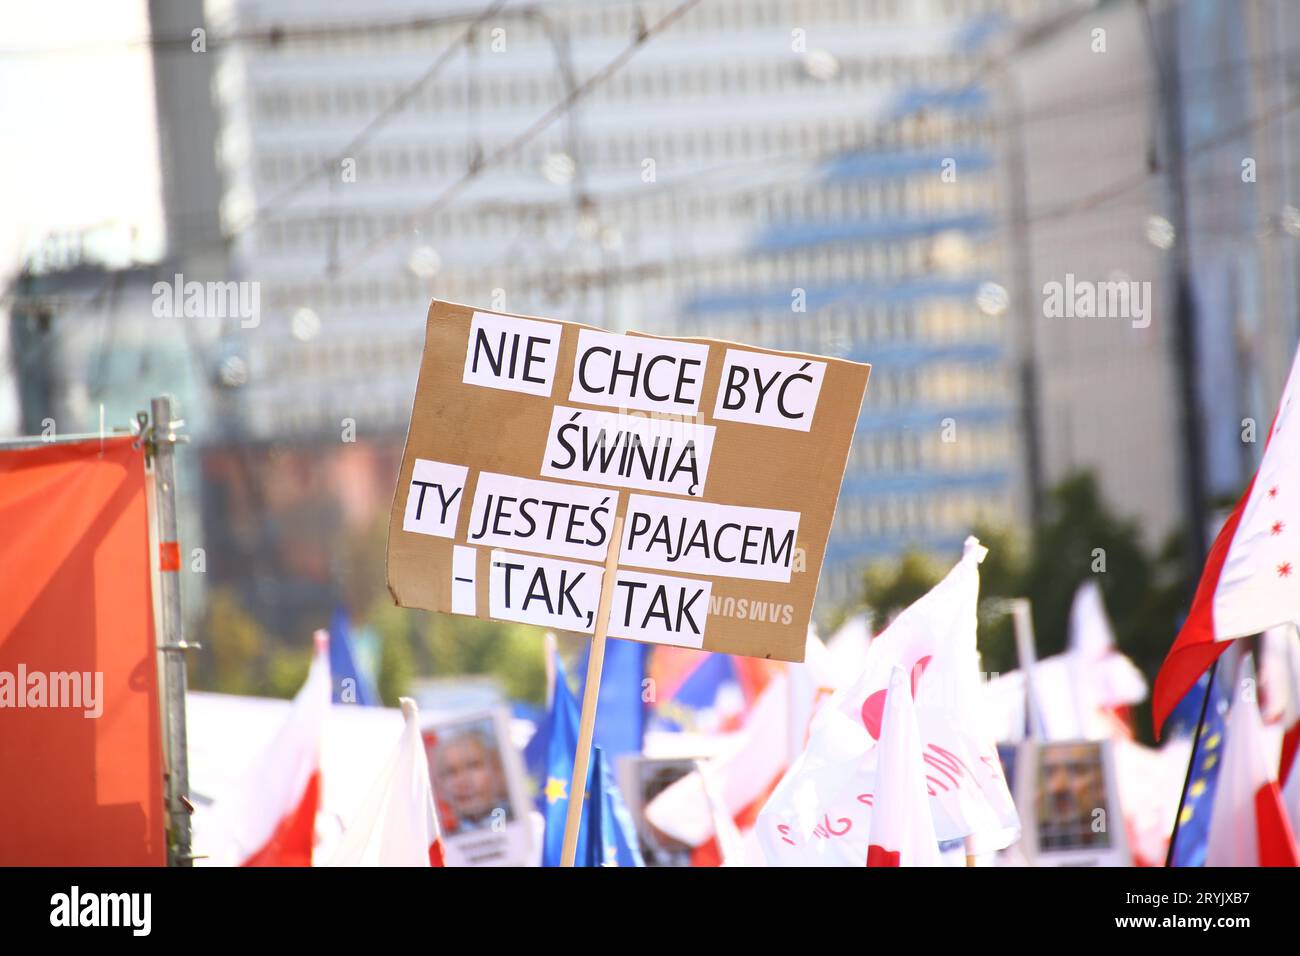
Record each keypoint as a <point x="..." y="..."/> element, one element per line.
<point x="543" y="122"/>
<point x="274" y="36"/>
<point x="1091" y="201"/>
<point x="1112" y="100"/>
<point x="328" y="166"/>
<point x="1098" y="198"/>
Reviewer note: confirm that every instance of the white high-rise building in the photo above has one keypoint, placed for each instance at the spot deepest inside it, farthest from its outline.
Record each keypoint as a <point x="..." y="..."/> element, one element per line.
<point x="819" y="175"/>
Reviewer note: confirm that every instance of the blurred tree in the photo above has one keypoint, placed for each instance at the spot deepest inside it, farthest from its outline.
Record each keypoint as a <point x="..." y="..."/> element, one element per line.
<point x="233" y="647"/>
<point x="511" y="653"/>
<point x="284" y="671"/>
<point x="890" y="586"/>
<point x="1080" y="538"/>
<point x="1001" y="576"/>
<point x="396" y="628"/>
<point x="239" y="657"/>
<point x="361" y="565"/>
<point x="1156" y="621"/>
<point x="1145" y="594"/>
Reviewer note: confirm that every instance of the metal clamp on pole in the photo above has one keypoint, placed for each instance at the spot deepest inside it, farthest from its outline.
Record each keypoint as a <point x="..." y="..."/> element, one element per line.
<point x="160" y="441"/>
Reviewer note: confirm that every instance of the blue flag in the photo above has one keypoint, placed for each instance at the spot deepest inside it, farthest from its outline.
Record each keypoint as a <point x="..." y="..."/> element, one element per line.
<point x="620" y="711"/>
<point x="536" y="756"/>
<point x="605" y="813"/>
<point x="561" y="743"/>
<point x="1194" y="826"/>
<point x="343" y="667"/>
<point x="611" y="835"/>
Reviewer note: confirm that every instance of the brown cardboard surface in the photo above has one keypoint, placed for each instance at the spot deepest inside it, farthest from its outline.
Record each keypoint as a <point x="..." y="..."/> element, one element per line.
<point x="753" y="465"/>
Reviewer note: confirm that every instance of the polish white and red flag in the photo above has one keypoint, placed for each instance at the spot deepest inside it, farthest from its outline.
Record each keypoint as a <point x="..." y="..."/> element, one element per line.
<point x="1251" y="580"/>
<point x="1291" y="796"/>
<point x="269" y="817"/>
<point x="821" y="812"/>
<point x="902" y="829"/>
<point x="397" y="824"/>
<point x="1279" y="690"/>
<point x="751" y="761"/>
<point x="1249" y="824"/>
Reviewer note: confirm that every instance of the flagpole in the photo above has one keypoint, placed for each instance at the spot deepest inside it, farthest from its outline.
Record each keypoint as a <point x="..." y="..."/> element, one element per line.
<point x="1191" y="764"/>
<point x="587" y="725"/>
<point x="1022" y="619"/>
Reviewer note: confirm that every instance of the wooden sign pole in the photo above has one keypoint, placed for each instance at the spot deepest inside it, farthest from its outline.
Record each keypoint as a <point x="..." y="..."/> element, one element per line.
<point x="587" y="726"/>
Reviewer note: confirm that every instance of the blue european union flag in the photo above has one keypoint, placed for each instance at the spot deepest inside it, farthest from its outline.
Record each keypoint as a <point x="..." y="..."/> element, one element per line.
<point x="343" y="666"/>
<point x="611" y="835"/>
<point x="536" y="755"/>
<point x="561" y="743"/>
<point x="1194" y="823"/>
<point x="604" y="815"/>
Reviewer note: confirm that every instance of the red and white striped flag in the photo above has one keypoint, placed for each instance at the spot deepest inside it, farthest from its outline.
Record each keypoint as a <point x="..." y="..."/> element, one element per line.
<point x="902" y="828"/>
<point x="269" y="819"/>
<point x="1251" y="580"/>
<point x="1248" y="825"/>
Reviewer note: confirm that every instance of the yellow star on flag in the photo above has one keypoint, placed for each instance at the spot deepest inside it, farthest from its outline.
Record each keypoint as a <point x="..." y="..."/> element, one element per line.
<point x="554" y="789"/>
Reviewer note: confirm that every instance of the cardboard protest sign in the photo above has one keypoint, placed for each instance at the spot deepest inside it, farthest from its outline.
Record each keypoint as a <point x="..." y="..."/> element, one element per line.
<point x="528" y="436"/>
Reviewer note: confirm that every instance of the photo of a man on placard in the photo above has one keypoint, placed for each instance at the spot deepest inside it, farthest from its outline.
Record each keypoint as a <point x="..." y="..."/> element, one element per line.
<point x="469" y="777"/>
<point x="1072" y="804"/>
<point x="643" y="779"/>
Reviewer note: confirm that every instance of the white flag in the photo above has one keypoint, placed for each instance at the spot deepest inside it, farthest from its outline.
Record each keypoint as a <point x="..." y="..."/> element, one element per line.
<point x="1109" y="680"/>
<point x="397" y="824"/>
<point x="902" y="829"/>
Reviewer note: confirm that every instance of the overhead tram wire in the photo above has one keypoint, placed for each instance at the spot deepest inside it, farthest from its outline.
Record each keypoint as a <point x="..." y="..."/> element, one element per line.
<point x="403" y="98"/>
<point x="539" y="125"/>
<point x="279" y="34"/>
<point x="273" y="35"/>
<point x="376" y="122"/>
<point x="1063" y="211"/>
<point x="372" y="126"/>
<point x="1048" y="112"/>
<point x="1058" y="213"/>
<point x="449" y="192"/>
<point x="1118" y="188"/>
<point x="406" y="94"/>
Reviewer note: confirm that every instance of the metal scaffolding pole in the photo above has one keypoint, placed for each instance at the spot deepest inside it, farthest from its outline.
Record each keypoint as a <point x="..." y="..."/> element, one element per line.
<point x="162" y="445"/>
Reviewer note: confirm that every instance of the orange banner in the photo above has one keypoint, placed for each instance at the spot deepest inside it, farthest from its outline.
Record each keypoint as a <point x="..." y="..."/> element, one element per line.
<point x="80" y="734"/>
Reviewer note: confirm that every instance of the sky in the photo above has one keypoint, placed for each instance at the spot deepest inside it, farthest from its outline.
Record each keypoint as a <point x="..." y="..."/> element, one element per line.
<point x="78" y="143"/>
